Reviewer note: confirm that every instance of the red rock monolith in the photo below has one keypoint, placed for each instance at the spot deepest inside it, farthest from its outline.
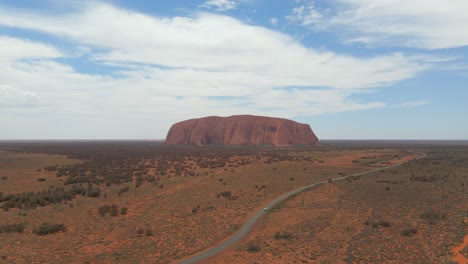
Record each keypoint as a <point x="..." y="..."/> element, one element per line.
<point x="241" y="130"/>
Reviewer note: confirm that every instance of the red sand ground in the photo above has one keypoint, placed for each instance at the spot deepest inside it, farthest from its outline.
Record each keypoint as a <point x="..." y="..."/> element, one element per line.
<point x="176" y="231"/>
<point x="458" y="256"/>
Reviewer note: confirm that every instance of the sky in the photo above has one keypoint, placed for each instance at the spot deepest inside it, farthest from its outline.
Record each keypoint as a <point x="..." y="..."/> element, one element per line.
<point x="121" y="69"/>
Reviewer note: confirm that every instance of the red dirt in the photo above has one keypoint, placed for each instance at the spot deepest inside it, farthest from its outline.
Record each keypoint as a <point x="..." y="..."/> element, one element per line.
<point x="185" y="212"/>
<point x="459" y="257"/>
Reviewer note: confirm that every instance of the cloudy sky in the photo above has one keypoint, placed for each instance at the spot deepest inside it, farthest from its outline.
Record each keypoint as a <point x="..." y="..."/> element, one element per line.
<point x="122" y="69"/>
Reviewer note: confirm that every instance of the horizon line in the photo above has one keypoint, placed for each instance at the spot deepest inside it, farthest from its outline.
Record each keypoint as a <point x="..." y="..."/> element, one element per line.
<point x="326" y="139"/>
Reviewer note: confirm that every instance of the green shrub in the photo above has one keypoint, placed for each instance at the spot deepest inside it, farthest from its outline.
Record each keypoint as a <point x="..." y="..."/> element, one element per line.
<point x="123" y="211"/>
<point x="432" y="217"/>
<point x="124" y="190"/>
<point x="93" y="192"/>
<point x="18" y="228"/>
<point x="47" y="229"/>
<point x="226" y="194"/>
<point x="384" y="223"/>
<point x="409" y="232"/>
<point x="283" y="235"/>
<point x="140" y="231"/>
<point x="103" y="210"/>
<point x="148" y="232"/>
<point x="253" y="248"/>
<point x="114" y="210"/>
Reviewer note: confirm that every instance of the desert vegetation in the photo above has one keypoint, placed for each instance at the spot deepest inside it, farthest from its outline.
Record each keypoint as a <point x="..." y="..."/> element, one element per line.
<point x="48" y="229"/>
<point x="355" y="221"/>
<point x="95" y="199"/>
<point x="15" y="228"/>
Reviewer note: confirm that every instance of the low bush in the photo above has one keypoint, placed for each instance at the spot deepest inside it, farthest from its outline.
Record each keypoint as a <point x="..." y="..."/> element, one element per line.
<point x="432" y="217"/>
<point x="409" y="232"/>
<point x="384" y="223"/>
<point x="113" y="210"/>
<point x="47" y="229"/>
<point x="123" y="211"/>
<point x="283" y="235"/>
<point x="226" y="194"/>
<point x="18" y="228"/>
<point x="124" y="190"/>
<point x="253" y="248"/>
<point x="148" y="232"/>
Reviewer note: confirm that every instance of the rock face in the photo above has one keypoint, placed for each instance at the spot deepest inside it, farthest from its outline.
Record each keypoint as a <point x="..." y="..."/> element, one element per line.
<point x="241" y="130"/>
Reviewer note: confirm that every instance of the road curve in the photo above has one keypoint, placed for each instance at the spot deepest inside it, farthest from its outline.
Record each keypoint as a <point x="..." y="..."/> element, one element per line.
<point x="243" y="231"/>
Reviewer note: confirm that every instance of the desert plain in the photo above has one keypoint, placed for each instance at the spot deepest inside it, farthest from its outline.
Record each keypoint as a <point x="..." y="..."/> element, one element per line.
<point x="146" y="202"/>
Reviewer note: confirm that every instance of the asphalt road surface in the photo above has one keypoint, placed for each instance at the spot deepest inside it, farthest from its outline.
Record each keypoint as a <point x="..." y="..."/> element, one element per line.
<point x="243" y="231"/>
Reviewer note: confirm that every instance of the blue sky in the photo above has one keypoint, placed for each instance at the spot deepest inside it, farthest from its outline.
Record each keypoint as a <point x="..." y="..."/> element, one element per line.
<point x="118" y="69"/>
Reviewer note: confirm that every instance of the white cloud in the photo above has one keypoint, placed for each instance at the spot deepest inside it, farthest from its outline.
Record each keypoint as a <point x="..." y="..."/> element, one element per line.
<point x="409" y="104"/>
<point x="203" y="47"/>
<point x="307" y="15"/>
<point x="13" y="48"/>
<point x="13" y="97"/>
<point x="274" y="21"/>
<point x="427" y="24"/>
<point x="220" y="5"/>
<point x="181" y="67"/>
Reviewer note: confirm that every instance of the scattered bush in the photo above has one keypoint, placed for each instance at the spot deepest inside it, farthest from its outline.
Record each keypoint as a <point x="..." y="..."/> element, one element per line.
<point x="47" y="229"/>
<point x="253" y="248"/>
<point x="6" y="206"/>
<point x="148" y="232"/>
<point x="124" y="190"/>
<point x="432" y="217"/>
<point x="32" y="200"/>
<point x="384" y="223"/>
<point x="113" y="210"/>
<point x="152" y="179"/>
<point x="409" y="232"/>
<point x="123" y="211"/>
<point x="226" y="194"/>
<point x="103" y="210"/>
<point x="374" y="224"/>
<point x="283" y="235"/>
<point x="93" y="192"/>
<point x="140" y="231"/>
<point x="18" y="228"/>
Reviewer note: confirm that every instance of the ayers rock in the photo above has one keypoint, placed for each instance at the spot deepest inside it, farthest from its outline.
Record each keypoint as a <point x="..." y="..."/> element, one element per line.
<point x="241" y="130"/>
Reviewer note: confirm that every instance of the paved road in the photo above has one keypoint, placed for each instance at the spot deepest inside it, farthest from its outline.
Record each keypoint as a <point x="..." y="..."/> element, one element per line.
<point x="247" y="227"/>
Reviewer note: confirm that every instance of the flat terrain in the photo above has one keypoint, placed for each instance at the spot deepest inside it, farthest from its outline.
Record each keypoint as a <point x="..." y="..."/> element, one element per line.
<point x="132" y="202"/>
<point x="416" y="213"/>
